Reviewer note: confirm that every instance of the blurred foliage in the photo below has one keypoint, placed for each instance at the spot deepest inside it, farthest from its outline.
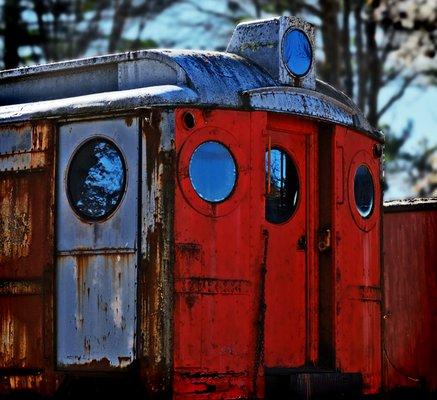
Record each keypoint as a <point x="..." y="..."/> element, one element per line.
<point x="419" y="166"/>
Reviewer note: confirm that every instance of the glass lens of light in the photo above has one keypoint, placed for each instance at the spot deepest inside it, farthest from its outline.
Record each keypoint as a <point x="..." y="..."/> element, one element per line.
<point x="212" y="171"/>
<point x="96" y="179"/>
<point x="297" y="52"/>
<point x="364" y="191"/>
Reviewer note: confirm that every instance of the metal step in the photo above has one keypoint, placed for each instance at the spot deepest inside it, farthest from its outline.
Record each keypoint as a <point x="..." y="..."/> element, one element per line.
<point x="284" y="383"/>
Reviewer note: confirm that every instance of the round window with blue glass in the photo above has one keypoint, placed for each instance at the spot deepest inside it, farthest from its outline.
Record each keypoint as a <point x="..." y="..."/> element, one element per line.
<point x="96" y="179"/>
<point x="213" y="172"/>
<point x="364" y="191"/>
<point x="297" y="53"/>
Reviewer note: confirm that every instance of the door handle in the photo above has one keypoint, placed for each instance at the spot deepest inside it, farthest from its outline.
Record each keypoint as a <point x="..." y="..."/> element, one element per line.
<point x="324" y="240"/>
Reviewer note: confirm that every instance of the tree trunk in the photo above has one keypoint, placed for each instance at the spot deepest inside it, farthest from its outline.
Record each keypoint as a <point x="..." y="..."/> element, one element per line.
<point x="373" y="67"/>
<point x="12" y="34"/>
<point x="121" y="13"/>
<point x="40" y="10"/>
<point x="330" y="70"/>
<point x="348" y="79"/>
<point x="361" y="62"/>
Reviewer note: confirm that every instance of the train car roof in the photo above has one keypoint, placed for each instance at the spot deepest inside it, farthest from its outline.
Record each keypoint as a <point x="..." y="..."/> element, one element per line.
<point x="144" y="79"/>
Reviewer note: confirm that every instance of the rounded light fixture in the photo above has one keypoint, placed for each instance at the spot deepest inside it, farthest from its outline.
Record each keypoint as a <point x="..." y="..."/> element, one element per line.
<point x="297" y="53"/>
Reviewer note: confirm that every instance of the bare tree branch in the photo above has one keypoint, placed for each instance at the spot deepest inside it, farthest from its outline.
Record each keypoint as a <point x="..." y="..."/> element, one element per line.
<point x="121" y="13"/>
<point x="214" y="13"/>
<point x="397" y="96"/>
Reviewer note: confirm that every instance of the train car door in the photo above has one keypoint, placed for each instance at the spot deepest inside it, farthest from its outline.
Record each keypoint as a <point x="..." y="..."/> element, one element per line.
<point x="97" y="227"/>
<point x="26" y="253"/>
<point x="357" y="225"/>
<point x="289" y="280"/>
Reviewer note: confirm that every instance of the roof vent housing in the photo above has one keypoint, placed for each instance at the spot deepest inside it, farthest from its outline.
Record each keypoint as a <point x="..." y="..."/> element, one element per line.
<point x="284" y="46"/>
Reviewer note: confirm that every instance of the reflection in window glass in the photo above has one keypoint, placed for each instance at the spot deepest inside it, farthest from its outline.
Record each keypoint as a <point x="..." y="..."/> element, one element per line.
<point x="364" y="191"/>
<point x="96" y="179"/>
<point x="283" y="188"/>
<point x="212" y="171"/>
<point x="297" y="52"/>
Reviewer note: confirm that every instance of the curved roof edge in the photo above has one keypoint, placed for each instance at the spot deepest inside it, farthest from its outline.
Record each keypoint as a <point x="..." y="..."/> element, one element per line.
<point x="413" y="204"/>
<point x="204" y="78"/>
<point x="96" y="103"/>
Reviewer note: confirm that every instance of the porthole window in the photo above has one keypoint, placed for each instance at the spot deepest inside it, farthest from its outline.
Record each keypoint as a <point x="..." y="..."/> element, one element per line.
<point x="364" y="191"/>
<point x="213" y="172"/>
<point x="296" y="52"/>
<point x="282" y="186"/>
<point x="96" y="179"/>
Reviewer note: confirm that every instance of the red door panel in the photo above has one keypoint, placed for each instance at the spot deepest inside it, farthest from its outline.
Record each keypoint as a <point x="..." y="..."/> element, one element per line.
<point x="356" y="262"/>
<point x="289" y="283"/>
<point x="216" y="268"/>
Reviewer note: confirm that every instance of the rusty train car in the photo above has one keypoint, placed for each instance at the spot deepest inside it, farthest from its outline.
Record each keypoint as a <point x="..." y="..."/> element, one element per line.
<point x="206" y="225"/>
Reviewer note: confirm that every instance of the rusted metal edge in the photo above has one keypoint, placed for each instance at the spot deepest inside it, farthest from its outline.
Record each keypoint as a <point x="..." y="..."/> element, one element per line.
<point x="20" y="371"/>
<point x="88" y="62"/>
<point x="413" y="204"/>
<point x="96" y="252"/>
<point x="201" y="285"/>
<point x="20" y="287"/>
<point x="100" y="102"/>
<point x="310" y="104"/>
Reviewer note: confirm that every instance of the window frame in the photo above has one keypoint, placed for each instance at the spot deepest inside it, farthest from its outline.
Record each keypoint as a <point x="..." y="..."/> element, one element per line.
<point x="278" y="146"/>
<point x="82" y="216"/>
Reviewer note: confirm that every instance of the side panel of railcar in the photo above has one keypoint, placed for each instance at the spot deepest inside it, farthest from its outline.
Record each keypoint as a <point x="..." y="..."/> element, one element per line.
<point x="26" y="256"/>
<point x="410" y="293"/>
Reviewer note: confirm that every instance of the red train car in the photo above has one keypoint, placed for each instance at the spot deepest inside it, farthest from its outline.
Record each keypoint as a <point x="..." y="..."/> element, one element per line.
<point x="410" y="286"/>
<point x="191" y="225"/>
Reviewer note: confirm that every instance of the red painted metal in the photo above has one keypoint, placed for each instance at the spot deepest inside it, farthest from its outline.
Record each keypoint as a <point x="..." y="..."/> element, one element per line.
<point x="356" y="246"/>
<point x="230" y="261"/>
<point x="410" y="287"/>
<point x="218" y="259"/>
<point x="291" y="313"/>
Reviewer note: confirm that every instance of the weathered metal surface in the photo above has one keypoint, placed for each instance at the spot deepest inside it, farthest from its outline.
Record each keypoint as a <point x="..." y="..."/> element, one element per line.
<point x="290" y="290"/>
<point x="217" y="265"/>
<point x="96" y="310"/>
<point x="261" y="42"/>
<point x="414" y="204"/>
<point x="8" y="288"/>
<point x="175" y="77"/>
<point x="356" y="274"/>
<point x="219" y="78"/>
<point x="26" y="257"/>
<point x="97" y="261"/>
<point x="410" y="300"/>
<point x="300" y="102"/>
<point x="96" y="104"/>
<point x="156" y="268"/>
<point x="91" y="75"/>
<point x="21" y="332"/>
